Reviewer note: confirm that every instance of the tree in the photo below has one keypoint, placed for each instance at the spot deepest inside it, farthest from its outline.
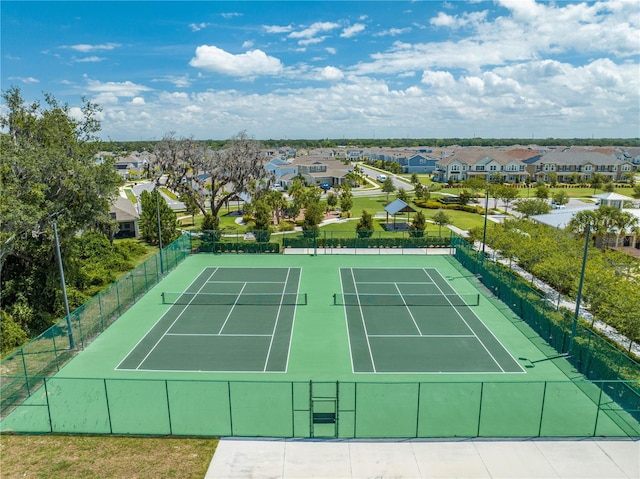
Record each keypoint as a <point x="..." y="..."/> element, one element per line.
<point x="262" y="221"/>
<point x="475" y="185"/>
<point x="188" y="165"/>
<point x="560" y="198"/>
<point x="596" y="182"/>
<point x="191" y="207"/>
<point x="387" y="187"/>
<point x="629" y="177"/>
<point x="418" y="225"/>
<point x="419" y="191"/>
<point x="332" y="201"/>
<point x="364" y="227"/>
<point x="313" y="214"/>
<point x="346" y="201"/>
<point x="553" y="178"/>
<point x="414" y="179"/>
<point x="402" y="195"/>
<point x="465" y="197"/>
<point x="531" y="207"/>
<point x="507" y="194"/>
<point x="48" y="173"/>
<point x="441" y="219"/>
<point x="152" y="203"/>
<point x="542" y="192"/>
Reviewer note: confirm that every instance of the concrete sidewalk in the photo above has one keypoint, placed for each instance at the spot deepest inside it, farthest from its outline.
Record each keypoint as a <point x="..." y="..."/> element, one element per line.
<point x="463" y="458"/>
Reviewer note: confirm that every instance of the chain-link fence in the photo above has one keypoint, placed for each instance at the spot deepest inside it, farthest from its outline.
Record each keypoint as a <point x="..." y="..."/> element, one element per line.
<point x="22" y="372"/>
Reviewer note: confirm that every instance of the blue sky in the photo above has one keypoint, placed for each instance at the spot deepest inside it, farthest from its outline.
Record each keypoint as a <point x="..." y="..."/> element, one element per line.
<point x="347" y="69"/>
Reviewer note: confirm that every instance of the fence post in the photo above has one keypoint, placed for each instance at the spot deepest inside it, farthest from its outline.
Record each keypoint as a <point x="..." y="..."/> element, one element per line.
<point x="26" y="373"/>
<point x="46" y="395"/>
<point x="106" y="398"/>
<point x="544" y="395"/>
<point x="166" y="388"/>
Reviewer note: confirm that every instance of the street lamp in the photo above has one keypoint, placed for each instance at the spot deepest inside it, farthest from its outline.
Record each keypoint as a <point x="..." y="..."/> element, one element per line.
<point x="486" y="214"/>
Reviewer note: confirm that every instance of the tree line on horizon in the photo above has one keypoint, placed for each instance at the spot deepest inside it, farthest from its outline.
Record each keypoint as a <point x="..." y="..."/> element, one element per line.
<point x="150" y="145"/>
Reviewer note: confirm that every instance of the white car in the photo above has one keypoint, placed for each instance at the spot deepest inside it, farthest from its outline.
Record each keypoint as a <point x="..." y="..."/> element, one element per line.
<point x="381" y="178"/>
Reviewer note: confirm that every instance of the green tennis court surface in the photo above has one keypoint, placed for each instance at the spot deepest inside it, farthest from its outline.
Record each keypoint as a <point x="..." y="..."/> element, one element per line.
<point x="329" y="346"/>
<point x="228" y="319"/>
<point x="412" y="320"/>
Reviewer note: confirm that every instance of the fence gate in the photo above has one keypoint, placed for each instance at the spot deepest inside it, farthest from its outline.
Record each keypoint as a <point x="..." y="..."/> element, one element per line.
<point x="323" y="405"/>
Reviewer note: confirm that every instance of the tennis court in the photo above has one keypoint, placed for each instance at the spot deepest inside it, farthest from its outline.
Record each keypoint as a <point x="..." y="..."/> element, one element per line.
<point x="336" y="346"/>
<point x="412" y="320"/>
<point x="228" y="319"/>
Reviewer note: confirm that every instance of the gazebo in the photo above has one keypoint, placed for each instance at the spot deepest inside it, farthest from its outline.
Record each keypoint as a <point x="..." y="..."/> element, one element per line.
<point x="395" y="207"/>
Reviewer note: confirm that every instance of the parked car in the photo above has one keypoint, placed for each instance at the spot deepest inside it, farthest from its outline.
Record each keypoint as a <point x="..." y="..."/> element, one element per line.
<point x="325" y="186"/>
<point x="381" y="178"/>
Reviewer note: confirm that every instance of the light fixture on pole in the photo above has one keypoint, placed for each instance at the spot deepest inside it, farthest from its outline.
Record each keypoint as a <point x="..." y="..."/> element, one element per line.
<point x="64" y="287"/>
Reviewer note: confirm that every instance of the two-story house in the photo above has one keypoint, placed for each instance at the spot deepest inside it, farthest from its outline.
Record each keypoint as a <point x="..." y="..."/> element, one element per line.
<point x="578" y="166"/>
<point x="488" y="164"/>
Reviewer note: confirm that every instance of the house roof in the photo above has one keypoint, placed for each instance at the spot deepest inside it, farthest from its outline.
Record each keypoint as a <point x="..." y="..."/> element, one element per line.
<point x="124" y="209"/>
<point x="613" y="196"/>
<point x="398" y="206"/>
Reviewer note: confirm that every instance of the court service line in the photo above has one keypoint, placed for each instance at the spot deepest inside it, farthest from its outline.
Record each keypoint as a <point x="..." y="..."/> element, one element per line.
<point x="465" y="322"/>
<point x="423" y="336"/>
<point x="364" y="324"/>
<point x="275" y="325"/>
<point x="408" y="309"/>
<point x="232" y="308"/>
<point x="219" y="335"/>
<point x="293" y="322"/>
<point x="175" y="320"/>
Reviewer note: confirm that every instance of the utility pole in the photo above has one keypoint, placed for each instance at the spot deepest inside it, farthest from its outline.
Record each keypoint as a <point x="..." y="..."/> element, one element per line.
<point x="64" y="287"/>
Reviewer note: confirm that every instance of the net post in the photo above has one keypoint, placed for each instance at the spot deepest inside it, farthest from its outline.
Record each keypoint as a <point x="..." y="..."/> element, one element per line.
<point x="163" y="300"/>
<point x="335" y="298"/>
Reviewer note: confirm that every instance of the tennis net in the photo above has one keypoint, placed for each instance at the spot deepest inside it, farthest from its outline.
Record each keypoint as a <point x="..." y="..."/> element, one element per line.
<point x="355" y="299"/>
<point x="258" y="299"/>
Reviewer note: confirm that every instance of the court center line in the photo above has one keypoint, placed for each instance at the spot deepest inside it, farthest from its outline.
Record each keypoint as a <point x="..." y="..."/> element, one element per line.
<point x="273" y="331"/>
<point x="364" y="324"/>
<point x="232" y="308"/>
<point x="465" y="322"/>
<point x="175" y="321"/>
<point x="408" y="309"/>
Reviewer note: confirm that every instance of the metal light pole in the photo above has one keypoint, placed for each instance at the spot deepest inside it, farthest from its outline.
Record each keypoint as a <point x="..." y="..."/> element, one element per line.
<point x="579" y="296"/>
<point x="159" y="230"/>
<point x="486" y="213"/>
<point x="64" y="287"/>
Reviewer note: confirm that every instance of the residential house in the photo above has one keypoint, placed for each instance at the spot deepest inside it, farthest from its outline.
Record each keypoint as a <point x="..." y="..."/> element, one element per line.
<point x="279" y="168"/>
<point x="124" y="212"/>
<point x="483" y="163"/>
<point x="575" y="165"/>
<point x="318" y="169"/>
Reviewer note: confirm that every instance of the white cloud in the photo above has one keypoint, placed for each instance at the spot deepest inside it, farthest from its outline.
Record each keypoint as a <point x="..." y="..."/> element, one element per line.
<point x="86" y="48"/>
<point x="307" y="36"/>
<point x="392" y="32"/>
<point x="138" y="100"/>
<point x="178" y="81"/>
<point x="26" y="80"/>
<point x="277" y="28"/>
<point x="91" y="59"/>
<point x="229" y="15"/>
<point x="352" y="30"/>
<point x="331" y="50"/>
<point x="247" y="44"/>
<point x="457" y="21"/>
<point x="251" y="63"/>
<point x="116" y="89"/>
<point x="331" y="73"/>
<point x="196" y="27"/>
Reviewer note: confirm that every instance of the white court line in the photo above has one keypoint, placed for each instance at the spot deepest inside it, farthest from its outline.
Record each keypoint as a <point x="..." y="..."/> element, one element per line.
<point x="408" y="309"/>
<point x="174" y="321"/>
<point x="220" y="335"/>
<point x="467" y="324"/>
<point x="232" y="308"/>
<point x="275" y="325"/>
<point x="423" y="336"/>
<point x="364" y="325"/>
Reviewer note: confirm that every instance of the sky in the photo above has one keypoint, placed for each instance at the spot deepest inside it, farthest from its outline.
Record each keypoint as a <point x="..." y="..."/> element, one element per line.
<point x="345" y="69"/>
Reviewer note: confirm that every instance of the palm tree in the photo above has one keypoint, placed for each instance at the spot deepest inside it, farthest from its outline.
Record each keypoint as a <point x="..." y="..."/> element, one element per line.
<point x="441" y="219"/>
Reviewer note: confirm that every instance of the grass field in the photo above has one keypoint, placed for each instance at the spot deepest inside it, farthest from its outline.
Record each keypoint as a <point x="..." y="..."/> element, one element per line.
<point x="79" y="457"/>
